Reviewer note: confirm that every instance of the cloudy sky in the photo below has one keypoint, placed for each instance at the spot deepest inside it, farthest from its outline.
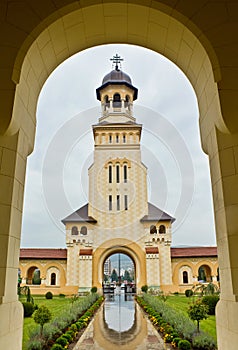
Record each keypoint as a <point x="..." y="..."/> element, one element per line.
<point x="178" y="171"/>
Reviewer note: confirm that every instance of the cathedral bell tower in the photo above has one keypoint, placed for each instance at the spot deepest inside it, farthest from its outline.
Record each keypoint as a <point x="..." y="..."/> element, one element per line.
<point x="117" y="178"/>
<point x="118" y="217"/>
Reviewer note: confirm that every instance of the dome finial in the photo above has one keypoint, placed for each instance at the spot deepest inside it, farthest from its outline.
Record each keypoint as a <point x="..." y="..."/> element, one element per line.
<point x="116" y="60"/>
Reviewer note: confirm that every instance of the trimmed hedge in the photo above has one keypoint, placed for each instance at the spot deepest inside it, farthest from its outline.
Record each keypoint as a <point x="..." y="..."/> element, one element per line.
<point x="188" y="293"/>
<point x="184" y="345"/>
<point x="28" y="309"/>
<point x="48" y="295"/>
<point x="57" y="347"/>
<point x="211" y="301"/>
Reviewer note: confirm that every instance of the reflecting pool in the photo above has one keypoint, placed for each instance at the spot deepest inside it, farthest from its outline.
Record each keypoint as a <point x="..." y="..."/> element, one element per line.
<point x="120" y="324"/>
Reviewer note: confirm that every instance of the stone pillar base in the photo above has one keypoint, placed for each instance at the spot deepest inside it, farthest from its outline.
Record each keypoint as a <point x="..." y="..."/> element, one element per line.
<point x="11" y="325"/>
<point x="226" y="324"/>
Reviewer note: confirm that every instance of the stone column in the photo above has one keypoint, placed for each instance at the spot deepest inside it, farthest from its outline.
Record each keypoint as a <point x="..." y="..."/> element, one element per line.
<point x="153" y="270"/>
<point x="85" y="271"/>
<point x="111" y="104"/>
<point x="23" y="281"/>
<point x="223" y="155"/>
<point x="13" y="153"/>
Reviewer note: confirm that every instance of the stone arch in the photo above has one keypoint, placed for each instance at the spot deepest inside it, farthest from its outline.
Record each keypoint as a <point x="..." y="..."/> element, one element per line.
<point x="60" y="32"/>
<point x="179" y="267"/>
<point x="212" y="266"/>
<point x="60" y="277"/>
<point x="32" y="65"/>
<point x="114" y="246"/>
<point x="204" y="273"/>
<point x="31" y="274"/>
<point x="52" y="276"/>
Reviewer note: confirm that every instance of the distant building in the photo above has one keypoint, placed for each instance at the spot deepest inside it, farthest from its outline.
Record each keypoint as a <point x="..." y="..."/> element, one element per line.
<point x="108" y="267"/>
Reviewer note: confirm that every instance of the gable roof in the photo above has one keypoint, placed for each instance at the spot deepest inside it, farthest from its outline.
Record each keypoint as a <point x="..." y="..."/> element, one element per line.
<point x="43" y="253"/>
<point x="156" y="214"/>
<point x="80" y="215"/>
<point x="193" y="252"/>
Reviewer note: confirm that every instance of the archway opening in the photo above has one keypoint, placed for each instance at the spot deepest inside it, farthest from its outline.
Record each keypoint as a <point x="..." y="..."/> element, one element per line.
<point x="204" y="274"/>
<point x="33" y="276"/>
<point x="119" y="273"/>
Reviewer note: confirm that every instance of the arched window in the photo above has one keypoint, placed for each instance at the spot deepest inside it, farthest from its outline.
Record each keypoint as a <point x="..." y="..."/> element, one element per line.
<point x="117" y="138"/>
<point x="110" y="202"/>
<point x="53" y="279"/>
<point x="110" y="174"/>
<point x="162" y="229"/>
<point x="185" y="277"/>
<point x="74" y="230"/>
<point x="126" y="202"/>
<point x="125" y="173"/>
<point x="124" y="138"/>
<point x="110" y="138"/>
<point x="118" y="173"/>
<point x="84" y="230"/>
<point x="117" y="101"/>
<point x="118" y="202"/>
<point x="153" y="229"/>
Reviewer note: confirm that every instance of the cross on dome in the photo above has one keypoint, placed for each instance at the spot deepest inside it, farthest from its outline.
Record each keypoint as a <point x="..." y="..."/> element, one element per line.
<point x="116" y="60"/>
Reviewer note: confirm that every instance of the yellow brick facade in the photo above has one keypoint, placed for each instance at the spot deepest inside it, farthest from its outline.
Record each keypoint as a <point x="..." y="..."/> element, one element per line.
<point x="147" y="268"/>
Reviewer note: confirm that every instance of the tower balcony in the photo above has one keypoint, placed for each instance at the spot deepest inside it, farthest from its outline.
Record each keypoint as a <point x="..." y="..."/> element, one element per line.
<point x="117" y="115"/>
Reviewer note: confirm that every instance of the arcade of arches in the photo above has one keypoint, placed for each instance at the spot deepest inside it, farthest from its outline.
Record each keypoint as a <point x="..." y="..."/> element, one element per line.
<point x="200" y="37"/>
<point x="46" y="269"/>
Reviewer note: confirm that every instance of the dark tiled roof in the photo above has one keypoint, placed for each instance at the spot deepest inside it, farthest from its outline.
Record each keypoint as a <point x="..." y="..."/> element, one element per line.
<point x="43" y="253"/>
<point x="152" y="250"/>
<point x="116" y="75"/>
<point x="189" y="252"/>
<point x="156" y="214"/>
<point x="80" y="215"/>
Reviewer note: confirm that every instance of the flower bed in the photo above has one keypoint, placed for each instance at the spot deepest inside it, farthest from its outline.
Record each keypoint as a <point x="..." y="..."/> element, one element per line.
<point x="174" y="326"/>
<point x="68" y="327"/>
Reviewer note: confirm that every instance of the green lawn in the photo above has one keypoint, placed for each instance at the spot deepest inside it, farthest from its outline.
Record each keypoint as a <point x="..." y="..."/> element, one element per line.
<point x="180" y="302"/>
<point x="56" y="305"/>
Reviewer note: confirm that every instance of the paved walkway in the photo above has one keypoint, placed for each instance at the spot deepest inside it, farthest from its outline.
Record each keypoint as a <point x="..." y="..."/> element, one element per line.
<point x="141" y="336"/>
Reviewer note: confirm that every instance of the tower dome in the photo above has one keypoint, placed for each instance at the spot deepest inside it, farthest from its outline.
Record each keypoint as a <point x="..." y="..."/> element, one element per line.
<point x="116" y="75"/>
